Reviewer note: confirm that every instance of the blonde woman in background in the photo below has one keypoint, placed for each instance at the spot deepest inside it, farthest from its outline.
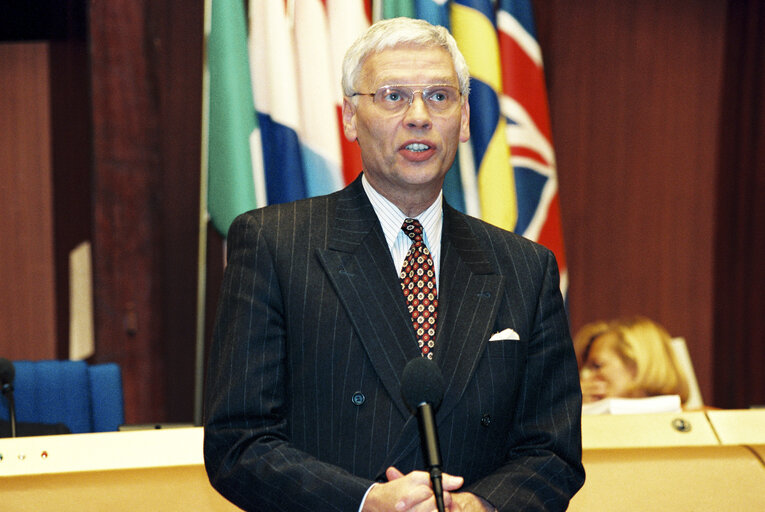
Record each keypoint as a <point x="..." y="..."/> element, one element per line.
<point x="627" y="358"/>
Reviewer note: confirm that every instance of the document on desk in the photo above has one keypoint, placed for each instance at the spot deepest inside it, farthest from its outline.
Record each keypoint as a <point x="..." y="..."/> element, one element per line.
<point x="662" y="403"/>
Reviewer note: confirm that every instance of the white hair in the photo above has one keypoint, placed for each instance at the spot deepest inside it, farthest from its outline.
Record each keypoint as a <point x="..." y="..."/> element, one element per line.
<point x="401" y="31"/>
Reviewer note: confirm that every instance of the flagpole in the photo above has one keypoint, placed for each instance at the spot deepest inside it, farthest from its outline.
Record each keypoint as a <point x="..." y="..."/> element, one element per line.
<point x="204" y="217"/>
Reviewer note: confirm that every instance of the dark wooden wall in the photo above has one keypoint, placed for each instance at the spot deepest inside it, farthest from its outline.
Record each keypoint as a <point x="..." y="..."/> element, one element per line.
<point x="657" y="113"/>
<point x="657" y="118"/>
<point x="635" y="100"/>
<point x="146" y="80"/>
<point x="739" y="273"/>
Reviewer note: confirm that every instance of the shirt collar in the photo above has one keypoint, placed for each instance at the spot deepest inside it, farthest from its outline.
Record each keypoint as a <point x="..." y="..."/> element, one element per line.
<point x="391" y="218"/>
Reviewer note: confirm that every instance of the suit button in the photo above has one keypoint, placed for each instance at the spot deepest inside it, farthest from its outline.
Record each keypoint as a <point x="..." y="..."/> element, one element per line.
<point x="486" y="420"/>
<point x="358" y="398"/>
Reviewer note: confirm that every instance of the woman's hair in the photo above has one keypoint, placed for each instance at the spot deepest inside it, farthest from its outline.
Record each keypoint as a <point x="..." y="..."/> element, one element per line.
<point x="643" y="345"/>
<point x="401" y="31"/>
<point x="584" y="337"/>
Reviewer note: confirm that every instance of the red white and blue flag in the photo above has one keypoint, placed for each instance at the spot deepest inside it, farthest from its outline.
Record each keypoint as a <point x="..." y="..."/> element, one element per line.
<point x="273" y="71"/>
<point x="525" y="107"/>
<point x="317" y="92"/>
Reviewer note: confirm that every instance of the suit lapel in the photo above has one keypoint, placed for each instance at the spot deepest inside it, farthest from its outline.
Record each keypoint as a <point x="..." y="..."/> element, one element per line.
<point x="358" y="264"/>
<point x="472" y="293"/>
<point x="468" y="303"/>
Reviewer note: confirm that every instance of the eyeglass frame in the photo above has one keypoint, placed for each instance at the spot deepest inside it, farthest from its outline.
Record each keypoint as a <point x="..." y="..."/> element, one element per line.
<point x="415" y="88"/>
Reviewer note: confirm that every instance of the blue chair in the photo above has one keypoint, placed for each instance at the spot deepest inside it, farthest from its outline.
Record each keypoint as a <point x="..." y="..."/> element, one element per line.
<point x="86" y="398"/>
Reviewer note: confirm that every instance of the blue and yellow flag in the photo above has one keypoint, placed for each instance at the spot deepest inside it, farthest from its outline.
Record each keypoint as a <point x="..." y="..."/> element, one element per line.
<point x="473" y="26"/>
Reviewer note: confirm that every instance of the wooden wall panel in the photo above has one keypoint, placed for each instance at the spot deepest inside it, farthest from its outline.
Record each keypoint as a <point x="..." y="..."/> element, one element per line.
<point x="27" y="279"/>
<point x="179" y="27"/>
<point x="146" y="68"/>
<point x="740" y="274"/>
<point x="634" y="92"/>
<point x="127" y="178"/>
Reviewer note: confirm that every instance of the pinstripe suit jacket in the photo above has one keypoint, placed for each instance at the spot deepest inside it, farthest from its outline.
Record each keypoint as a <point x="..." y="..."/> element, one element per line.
<point x="303" y="401"/>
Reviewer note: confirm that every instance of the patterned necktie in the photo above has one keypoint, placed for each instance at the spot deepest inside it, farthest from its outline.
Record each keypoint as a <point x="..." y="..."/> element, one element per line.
<point x="418" y="282"/>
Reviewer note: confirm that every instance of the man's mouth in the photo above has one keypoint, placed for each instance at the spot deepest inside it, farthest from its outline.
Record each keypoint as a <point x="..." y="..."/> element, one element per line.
<point x="417" y="151"/>
<point x="417" y="147"/>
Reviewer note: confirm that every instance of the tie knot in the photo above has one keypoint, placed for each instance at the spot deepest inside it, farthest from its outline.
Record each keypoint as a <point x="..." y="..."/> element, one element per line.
<point x="412" y="228"/>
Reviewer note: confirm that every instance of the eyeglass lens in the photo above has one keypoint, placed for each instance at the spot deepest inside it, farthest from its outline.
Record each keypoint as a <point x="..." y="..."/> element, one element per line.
<point x="438" y="98"/>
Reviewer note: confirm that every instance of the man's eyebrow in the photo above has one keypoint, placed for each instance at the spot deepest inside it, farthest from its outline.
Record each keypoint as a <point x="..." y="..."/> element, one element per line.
<point x="437" y="81"/>
<point x="434" y="79"/>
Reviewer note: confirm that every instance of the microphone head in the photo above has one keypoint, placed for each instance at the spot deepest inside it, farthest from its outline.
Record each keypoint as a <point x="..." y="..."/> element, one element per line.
<point x="7" y="372"/>
<point x="422" y="382"/>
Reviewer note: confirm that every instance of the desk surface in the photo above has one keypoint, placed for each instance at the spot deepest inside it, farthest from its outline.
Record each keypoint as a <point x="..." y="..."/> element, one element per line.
<point x="696" y="428"/>
<point x="647" y="430"/>
<point x="102" y="451"/>
<point x="739" y="426"/>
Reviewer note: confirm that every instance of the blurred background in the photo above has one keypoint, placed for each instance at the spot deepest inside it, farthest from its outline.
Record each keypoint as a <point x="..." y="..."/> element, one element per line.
<point x="658" y="126"/>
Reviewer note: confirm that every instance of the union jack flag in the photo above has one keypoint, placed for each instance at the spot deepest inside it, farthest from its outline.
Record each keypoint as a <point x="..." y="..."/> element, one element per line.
<point x="525" y="107"/>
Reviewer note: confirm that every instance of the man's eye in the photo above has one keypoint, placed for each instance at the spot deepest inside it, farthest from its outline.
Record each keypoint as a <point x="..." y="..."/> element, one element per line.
<point x="437" y="96"/>
<point x="392" y="96"/>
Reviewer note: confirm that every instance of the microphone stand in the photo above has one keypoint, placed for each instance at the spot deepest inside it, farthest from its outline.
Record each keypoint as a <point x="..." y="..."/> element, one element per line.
<point x="8" y="392"/>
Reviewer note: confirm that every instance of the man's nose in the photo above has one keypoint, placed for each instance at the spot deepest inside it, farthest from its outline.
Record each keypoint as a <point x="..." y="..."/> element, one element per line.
<point x="417" y="114"/>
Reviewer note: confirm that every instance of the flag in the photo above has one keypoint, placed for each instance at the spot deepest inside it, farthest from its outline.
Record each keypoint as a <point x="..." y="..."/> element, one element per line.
<point x="485" y="159"/>
<point x="319" y="134"/>
<point x="348" y="19"/>
<point x="524" y="104"/>
<point x="232" y="125"/>
<point x="272" y="68"/>
<point x="399" y="8"/>
<point x="435" y="12"/>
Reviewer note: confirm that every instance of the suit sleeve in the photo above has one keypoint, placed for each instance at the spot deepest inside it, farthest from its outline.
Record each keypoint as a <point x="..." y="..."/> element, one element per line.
<point x="248" y="454"/>
<point x="543" y="467"/>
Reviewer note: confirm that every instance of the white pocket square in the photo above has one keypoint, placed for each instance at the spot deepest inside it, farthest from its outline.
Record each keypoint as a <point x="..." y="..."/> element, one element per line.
<point x="503" y="335"/>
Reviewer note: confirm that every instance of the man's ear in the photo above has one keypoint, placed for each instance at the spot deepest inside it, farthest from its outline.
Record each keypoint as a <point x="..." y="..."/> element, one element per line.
<point x="465" y="122"/>
<point x="349" y="119"/>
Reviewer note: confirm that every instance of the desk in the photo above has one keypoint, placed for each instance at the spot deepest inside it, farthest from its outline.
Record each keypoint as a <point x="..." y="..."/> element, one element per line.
<point x="699" y="479"/>
<point x="152" y="470"/>
<point x="708" y="461"/>
<point x="633" y="462"/>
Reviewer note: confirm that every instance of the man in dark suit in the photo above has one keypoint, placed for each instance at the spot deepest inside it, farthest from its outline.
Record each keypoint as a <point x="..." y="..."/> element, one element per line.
<point x="304" y="408"/>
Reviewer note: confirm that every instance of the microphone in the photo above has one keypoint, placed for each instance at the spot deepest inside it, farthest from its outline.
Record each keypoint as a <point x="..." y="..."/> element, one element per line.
<point x="7" y="374"/>
<point x="422" y="387"/>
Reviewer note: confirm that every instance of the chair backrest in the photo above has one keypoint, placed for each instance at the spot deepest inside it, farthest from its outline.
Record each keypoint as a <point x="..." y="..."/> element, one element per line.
<point x="679" y="347"/>
<point x="86" y="398"/>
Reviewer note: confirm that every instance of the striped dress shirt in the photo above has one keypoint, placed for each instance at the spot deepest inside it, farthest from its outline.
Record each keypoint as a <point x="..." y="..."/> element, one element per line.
<point x="391" y="219"/>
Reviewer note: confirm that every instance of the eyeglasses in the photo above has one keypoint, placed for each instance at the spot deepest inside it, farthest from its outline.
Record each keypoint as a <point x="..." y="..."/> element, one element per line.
<point x="397" y="98"/>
